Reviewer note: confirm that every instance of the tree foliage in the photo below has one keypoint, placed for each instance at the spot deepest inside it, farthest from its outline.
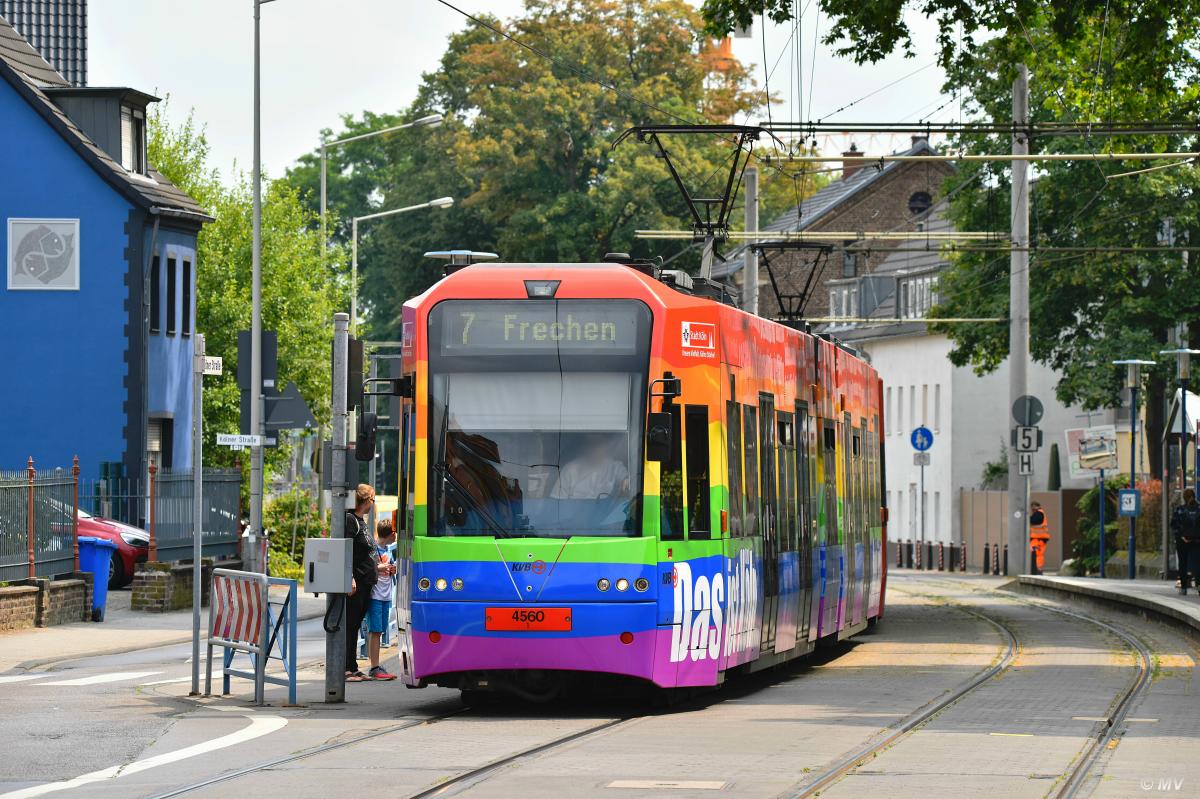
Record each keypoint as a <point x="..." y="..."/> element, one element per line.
<point x="526" y="148"/>
<point x="300" y="290"/>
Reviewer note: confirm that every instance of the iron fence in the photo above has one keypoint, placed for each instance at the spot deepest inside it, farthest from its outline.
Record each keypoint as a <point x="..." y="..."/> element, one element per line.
<point x="37" y="517"/>
<point x="173" y="493"/>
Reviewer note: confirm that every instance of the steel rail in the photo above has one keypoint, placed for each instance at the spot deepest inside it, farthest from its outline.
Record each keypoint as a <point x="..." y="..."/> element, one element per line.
<point x="304" y="753"/>
<point x="469" y="779"/>
<point x="919" y="717"/>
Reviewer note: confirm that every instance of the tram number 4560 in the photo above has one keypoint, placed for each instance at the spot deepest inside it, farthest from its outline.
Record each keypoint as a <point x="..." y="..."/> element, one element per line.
<point x="526" y="619"/>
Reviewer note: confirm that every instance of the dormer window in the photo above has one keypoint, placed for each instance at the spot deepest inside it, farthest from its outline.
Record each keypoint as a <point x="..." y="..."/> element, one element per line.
<point x="133" y="139"/>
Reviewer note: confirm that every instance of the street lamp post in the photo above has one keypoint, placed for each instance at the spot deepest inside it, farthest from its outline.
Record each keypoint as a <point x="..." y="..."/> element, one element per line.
<point x="1133" y="379"/>
<point x="430" y="121"/>
<point x="440" y="202"/>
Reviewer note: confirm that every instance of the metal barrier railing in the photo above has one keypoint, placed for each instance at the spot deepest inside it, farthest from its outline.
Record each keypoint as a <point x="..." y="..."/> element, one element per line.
<point x="241" y="619"/>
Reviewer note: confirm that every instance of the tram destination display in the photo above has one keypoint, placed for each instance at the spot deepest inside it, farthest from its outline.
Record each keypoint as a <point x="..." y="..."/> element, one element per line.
<point x="471" y="328"/>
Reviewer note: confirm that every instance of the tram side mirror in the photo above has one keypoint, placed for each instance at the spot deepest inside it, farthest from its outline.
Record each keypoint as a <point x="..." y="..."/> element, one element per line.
<point x="364" y="443"/>
<point x="658" y="436"/>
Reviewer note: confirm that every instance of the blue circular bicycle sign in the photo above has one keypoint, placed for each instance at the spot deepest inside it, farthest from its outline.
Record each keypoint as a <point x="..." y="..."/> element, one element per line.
<point x="922" y="439"/>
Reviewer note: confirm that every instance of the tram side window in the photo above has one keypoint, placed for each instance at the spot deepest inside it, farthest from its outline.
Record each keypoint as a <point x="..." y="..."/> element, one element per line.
<point x="766" y="443"/>
<point x="750" y="425"/>
<point x="699" y="517"/>
<point x="787" y="483"/>
<point x="733" y="433"/>
<point x="670" y="490"/>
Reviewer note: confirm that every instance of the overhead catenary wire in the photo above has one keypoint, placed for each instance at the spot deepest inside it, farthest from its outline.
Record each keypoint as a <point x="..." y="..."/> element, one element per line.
<point x="997" y="157"/>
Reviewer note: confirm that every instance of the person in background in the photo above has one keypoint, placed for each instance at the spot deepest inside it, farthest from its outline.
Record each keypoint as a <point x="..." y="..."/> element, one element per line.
<point x="364" y="571"/>
<point x="1039" y="535"/>
<point x="380" y="607"/>
<point x="1185" y="524"/>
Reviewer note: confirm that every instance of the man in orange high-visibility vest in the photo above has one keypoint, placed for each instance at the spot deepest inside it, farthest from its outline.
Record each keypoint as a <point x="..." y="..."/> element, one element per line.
<point x="1039" y="533"/>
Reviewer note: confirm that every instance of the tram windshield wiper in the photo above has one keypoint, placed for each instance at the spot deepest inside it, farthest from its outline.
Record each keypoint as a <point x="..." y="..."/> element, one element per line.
<point x="444" y="470"/>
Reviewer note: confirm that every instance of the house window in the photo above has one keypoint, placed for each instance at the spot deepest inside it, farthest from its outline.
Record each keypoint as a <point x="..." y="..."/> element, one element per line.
<point x="937" y="408"/>
<point x="852" y="309"/>
<point x="917" y="296"/>
<point x="185" y="306"/>
<point x="835" y="303"/>
<point x="133" y="140"/>
<point x="155" y="295"/>
<point x="170" y="296"/>
<point x="849" y="263"/>
<point x="919" y="203"/>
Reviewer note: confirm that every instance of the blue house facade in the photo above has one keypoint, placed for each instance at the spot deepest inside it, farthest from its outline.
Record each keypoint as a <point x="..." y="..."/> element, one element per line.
<point x="97" y="310"/>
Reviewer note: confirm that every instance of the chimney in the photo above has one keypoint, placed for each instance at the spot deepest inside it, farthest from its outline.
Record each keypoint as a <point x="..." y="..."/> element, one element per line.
<point x="850" y="167"/>
<point x="918" y="138"/>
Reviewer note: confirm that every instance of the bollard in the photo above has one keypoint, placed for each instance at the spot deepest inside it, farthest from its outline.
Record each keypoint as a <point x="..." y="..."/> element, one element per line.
<point x="908" y="554"/>
<point x="962" y="555"/>
<point x="953" y="558"/>
<point x="920" y="552"/>
<point x="929" y="555"/>
<point x="1006" y="560"/>
<point x="987" y="559"/>
<point x="941" y="557"/>
<point x="995" y="560"/>
<point x="899" y="555"/>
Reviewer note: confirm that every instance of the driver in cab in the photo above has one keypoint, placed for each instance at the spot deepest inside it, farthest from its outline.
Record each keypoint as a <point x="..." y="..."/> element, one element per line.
<point x="594" y="474"/>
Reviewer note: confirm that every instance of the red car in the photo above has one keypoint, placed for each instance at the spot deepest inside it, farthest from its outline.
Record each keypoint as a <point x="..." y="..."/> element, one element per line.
<point x="132" y="545"/>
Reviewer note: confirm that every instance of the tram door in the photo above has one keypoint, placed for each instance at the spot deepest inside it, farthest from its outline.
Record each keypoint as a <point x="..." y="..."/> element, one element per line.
<point x="831" y="530"/>
<point x="805" y="525"/>
<point x="788" y="614"/>
<point x="768" y="519"/>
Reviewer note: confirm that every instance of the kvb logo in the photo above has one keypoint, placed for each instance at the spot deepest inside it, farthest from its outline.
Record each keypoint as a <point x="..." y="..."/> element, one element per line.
<point x="698" y="623"/>
<point x="699" y="335"/>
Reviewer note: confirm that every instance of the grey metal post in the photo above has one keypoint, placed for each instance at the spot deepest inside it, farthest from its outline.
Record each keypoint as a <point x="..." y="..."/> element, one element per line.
<point x="750" y="300"/>
<point x="1133" y="433"/>
<point x="1103" y="569"/>
<point x="923" y="511"/>
<point x="335" y="643"/>
<point x="252" y="555"/>
<point x="324" y="233"/>
<point x="197" y="500"/>
<point x="354" y="276"/>
<point x="1018" y="292"/>
<point x="373" y="372"/>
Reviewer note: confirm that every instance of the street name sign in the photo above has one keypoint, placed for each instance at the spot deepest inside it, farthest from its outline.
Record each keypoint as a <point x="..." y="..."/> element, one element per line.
<point x="920" y="459"/>
<point x="922" y="439"/>
<point x="238" y="440"/>
<point x="213" y="365"/>
<point x="1025" y="463"/>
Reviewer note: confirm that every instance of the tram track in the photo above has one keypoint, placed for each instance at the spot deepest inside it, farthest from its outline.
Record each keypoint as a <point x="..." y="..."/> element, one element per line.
<point x="1075" y="778"/>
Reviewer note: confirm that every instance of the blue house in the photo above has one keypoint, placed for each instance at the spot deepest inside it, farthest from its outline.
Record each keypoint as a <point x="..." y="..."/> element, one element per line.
<point x="97" y="308"/>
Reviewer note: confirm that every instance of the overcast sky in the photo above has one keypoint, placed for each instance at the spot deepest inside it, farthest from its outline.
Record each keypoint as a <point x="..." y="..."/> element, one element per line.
<point x="323" y="59"/>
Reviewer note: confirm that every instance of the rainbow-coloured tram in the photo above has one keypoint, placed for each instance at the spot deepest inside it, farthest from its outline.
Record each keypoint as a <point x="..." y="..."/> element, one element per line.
<point x="608" y="470"/>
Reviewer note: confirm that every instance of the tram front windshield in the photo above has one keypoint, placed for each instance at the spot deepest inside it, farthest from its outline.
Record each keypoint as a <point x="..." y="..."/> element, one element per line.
<point x="536" y="417"/>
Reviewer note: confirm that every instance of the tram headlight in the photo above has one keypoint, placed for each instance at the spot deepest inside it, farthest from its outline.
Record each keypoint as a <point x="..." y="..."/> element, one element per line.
<point x="602" y="584"/>
<point x="622" y="584"/>
<point x="423" y="584"/>
<point x="641" y="584"/>
<point x="440" y="584"/>
<point x="457" y="584"/>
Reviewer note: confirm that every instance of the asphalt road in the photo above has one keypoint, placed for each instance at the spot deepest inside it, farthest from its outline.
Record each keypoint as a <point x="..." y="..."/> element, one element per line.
<point x="759" y="736"/>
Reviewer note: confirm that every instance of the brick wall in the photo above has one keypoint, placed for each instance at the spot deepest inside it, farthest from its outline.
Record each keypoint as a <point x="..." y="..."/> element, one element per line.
<point x="159" y="587"/>
<point x="43" y="603"/>
<point x="881" y="206"/>
<point x="18" y="606"/>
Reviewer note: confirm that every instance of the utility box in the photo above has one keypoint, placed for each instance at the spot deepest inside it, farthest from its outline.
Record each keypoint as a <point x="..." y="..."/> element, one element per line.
<point x="327" y="565"/>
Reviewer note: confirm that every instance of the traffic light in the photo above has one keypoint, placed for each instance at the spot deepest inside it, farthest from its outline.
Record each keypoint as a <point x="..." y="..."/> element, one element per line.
<point x="364" y="443"/>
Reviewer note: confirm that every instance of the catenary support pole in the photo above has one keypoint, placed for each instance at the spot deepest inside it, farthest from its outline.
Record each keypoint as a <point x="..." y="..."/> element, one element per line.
<point x="1018" y="333"/>
<point x="197" y="501"/>
<point x="750" y="273"/>
<point x="252" y="552"/>
<point x="335" y="642"/>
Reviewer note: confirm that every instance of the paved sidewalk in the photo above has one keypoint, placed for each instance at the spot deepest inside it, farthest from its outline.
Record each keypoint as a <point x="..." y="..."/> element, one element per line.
<point x="123" y="630"/>
<point x="1160" y="597"/>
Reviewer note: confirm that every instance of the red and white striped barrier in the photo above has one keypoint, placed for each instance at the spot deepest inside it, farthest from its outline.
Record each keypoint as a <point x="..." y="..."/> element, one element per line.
<point x="240" y="620"/>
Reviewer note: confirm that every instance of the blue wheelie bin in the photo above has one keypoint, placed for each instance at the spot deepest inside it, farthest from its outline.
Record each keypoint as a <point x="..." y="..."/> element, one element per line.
<point x="94" y="557"/>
